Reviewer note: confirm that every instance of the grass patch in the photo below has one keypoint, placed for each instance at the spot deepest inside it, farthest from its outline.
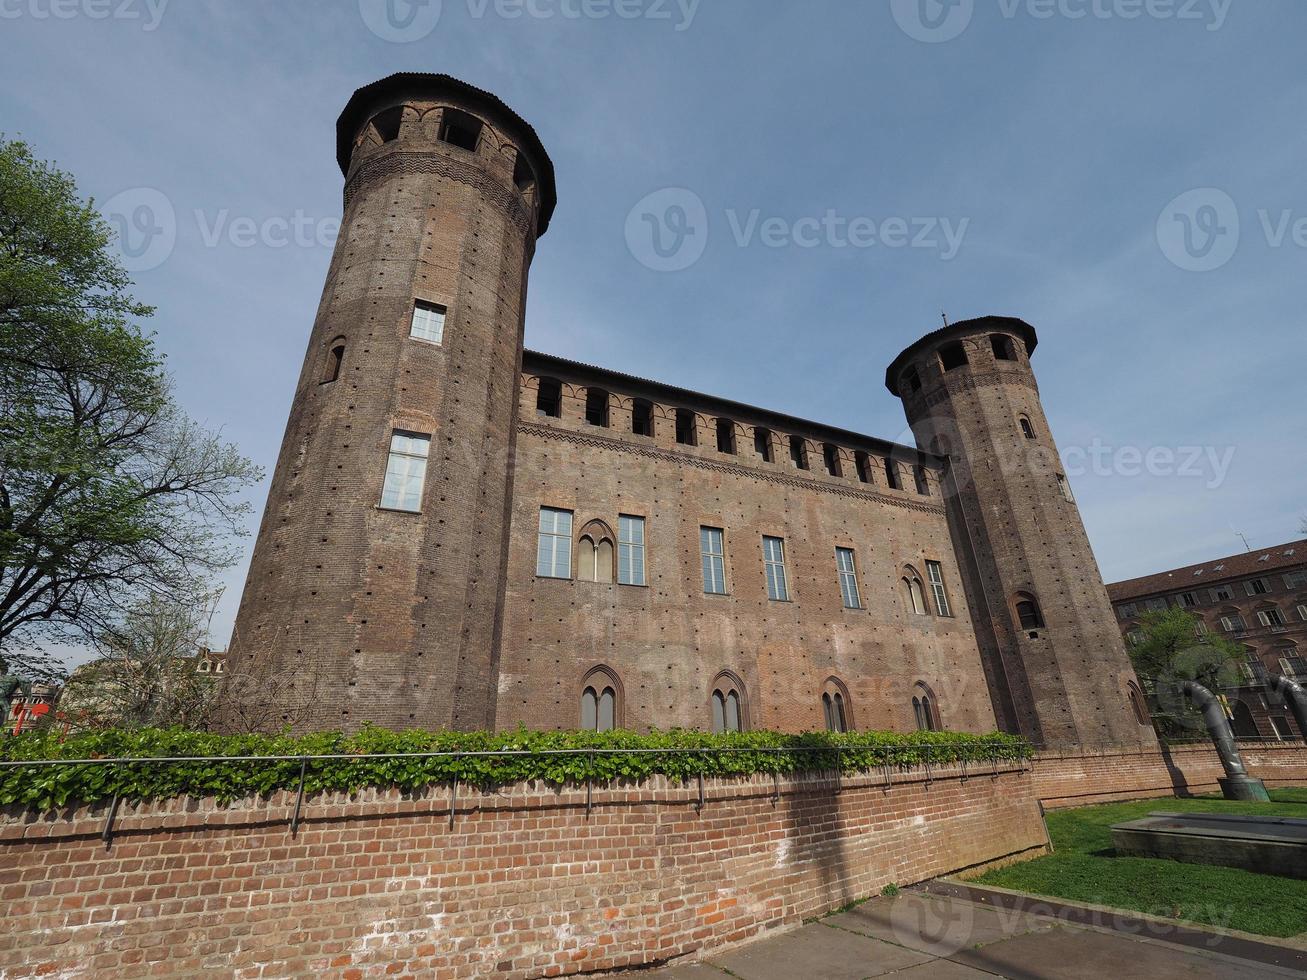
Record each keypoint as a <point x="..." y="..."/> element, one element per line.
<point x="1085" y="868"/>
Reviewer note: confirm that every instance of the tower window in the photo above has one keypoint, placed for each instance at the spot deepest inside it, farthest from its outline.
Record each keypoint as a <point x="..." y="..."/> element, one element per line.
<point x="1027" y="429"/>
<point x="913" y="592"/>
<point x="523" y="176"/>
<point x="799" y="452"/>
<point x="1065" y="488"/>
<point x="862" y="463"/>
<point x="1028" y="613"/>
<point x="762" y="444"/>
<point x="428" y="322"/>
<point x="924" y="710"/>
<point x="460" y="129"/>
<point x="594" y="559"/>
<point x="630" y="550"/>
<point x="919" y="476"/>
<point x="598" y="710"/>
<point x="831" y="455"/>
<point x="726" y="436"/>
<point x="596" y="407"/>
<point x="953" y="355"/>
<point x="844" y="564"/>
<point x="549" y="398"/>
<point x="685" y="427"/>
<point x="912" y="378"/>
<point x="406" y="471"/>
<point x="727" y="704"/>
<point x="387" y="123"/>
<point x="554" y="547"/>
<point x="335" y="358"/>
<point x="935" y="572"/>
<point x="833" y="708"/>
<point x="642" y="419"/>
<point x="773" y="560"/>
<point x="1003" y="349"/>
<point x="712" y="551"/>
<point x="892" y="474"/>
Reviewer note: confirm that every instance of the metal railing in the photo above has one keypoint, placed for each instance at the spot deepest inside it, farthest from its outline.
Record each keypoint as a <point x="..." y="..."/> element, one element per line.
<point x="987" y="754"/>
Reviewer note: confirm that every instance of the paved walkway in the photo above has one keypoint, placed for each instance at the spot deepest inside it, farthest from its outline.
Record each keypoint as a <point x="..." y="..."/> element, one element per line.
<point x="927" y="937"/>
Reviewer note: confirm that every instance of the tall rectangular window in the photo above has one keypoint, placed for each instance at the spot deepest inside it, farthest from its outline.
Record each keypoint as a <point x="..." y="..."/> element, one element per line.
<point x="1270" y="617"/>
<point x="630" y="550"/>
<point x="713" y="552"/>
<point x="848" y="578"/>
<point x="773" y="560"/>
<point x="428" y="322"/>
<point x="1256" y="586"/>
<point x="554" y="551"/>
<point x="406" y="471"/>
<point x="935" y="572"/>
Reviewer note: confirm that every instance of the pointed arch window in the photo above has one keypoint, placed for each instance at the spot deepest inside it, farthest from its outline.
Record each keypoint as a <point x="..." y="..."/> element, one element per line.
<point x="1028" y="612"/>
<point x="924" y="709"/>
<point x="601" y="701"/>
<point x="913" y="592"/>
<point x="835" y="706"/>
<point x="595" y="554"/>
<point x="1027" y="429"/>
<point x="1137" y="703"/>
<point x="335" y="359"/>
<point x="728" y="712"/>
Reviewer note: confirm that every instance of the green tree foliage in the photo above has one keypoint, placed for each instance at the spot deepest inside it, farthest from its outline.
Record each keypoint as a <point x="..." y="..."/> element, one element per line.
<point x="108" y="492"/>
<point x="521" y="755"/>
<point x="1171" y="651"/>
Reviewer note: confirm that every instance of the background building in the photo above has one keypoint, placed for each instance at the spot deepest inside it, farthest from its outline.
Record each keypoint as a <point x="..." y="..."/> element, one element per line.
<point x="1257" y="599"/>
<point x="463" y="534"/>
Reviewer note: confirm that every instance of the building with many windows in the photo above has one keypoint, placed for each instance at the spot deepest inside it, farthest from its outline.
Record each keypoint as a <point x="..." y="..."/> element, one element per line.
<point x="1257" y="599"/>
<point x="462" y="533"/>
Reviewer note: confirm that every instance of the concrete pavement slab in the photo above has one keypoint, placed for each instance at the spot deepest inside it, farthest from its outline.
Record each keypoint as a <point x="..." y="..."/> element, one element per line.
<point x="818" y="951"/>
<point x="936" y="924"/>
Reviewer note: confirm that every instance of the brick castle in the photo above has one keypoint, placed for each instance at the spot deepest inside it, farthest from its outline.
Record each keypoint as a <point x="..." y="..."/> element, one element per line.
<point x="461" y="533"/>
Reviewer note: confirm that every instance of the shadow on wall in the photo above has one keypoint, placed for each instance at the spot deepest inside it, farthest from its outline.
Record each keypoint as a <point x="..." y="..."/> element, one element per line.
<point x="1178" y="781"/>
<point x="813" y="848"/>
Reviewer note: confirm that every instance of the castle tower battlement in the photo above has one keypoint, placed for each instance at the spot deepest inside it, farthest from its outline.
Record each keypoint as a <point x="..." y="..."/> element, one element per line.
<point x="375" y="591"/>
<point x="1054" y="661"/>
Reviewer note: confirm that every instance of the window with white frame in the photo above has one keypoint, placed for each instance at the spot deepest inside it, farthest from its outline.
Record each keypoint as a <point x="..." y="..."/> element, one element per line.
<point x="1270" y="617"/>
<point x="712" y="549"/>
<point x="1222" y="593"/>
<point x="406" y="471"/>
<point x="844" y="562"/>
<point x="773" y="559"/>
<point x="1065" y="489"/>
<point x="1188" y="599"/>
<point x="935" y="573"/>
<point x="428" y="322"/>
<point x="554" y="550"/>
<point x="1232" y="623"/>
<point x="1295" y="580"/>
<point x="1256" y="586"/>
<point x="1302" y="612"/>
<point x="630" y="550"/>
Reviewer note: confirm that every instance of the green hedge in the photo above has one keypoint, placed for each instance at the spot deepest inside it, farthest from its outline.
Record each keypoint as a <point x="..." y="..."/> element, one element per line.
<point x="46" y="786"/>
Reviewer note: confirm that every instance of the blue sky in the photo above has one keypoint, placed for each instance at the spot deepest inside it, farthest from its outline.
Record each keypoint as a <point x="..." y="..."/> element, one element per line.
<point x="1059" y="140"/>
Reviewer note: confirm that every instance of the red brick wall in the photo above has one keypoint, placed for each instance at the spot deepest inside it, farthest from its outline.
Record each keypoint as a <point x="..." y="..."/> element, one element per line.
<point x="1082" y="778"/>
<point x="524" y="885"/>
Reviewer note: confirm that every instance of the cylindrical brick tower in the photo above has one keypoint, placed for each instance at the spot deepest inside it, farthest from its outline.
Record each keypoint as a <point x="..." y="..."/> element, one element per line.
<point x="1054" y="659"/>
<point x="375" y="590"/>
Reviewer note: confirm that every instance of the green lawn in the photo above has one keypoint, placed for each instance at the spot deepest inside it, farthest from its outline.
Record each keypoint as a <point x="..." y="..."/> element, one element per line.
<point x="1084" y="868"/>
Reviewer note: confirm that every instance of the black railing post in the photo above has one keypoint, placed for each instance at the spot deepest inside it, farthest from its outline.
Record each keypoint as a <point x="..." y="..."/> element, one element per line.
<point x="299" y="798"/>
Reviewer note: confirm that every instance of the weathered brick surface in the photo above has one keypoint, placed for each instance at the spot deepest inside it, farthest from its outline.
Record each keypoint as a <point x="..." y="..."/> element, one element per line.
<point x="1082" y="778"/>
<point x="524" y="884"/>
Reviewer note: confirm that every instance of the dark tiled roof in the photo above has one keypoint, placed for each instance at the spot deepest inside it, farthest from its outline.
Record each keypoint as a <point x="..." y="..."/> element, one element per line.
<point x="1239" y="566"/>
<point x="390" y="90"/>
<point x="545" y="363"/>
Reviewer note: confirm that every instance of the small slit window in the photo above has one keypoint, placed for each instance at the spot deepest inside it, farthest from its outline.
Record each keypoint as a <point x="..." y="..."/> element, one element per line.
<point x="799" y="452"/>
<point x="1002" y="346"/>
<point x="685" y="427"/>
<point x="549" y="398"/>
<point x="1064" y="487"/>
<point x="596" y="407"/>
<point x="726" y="436"/>
<point x="919" y="477"/>
<point x="1028" y="613"/>
<point x="892" y="474"/>
<point x="862" y="463"/>
<point x="912" y="379"/>
<point x="1027" y="429"/>
<point x="642" y="418"/>
<point x="953" y="356"/>
<point x="460" y="129"/>
<point x="762" y="444"/>
<point x="831" y="455"/>
<point x="523" y="177"/>
<point x="335" y="358"/>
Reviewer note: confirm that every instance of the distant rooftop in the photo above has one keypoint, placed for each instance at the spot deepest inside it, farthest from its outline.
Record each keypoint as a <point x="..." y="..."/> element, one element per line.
<point x="1243" y="565"/>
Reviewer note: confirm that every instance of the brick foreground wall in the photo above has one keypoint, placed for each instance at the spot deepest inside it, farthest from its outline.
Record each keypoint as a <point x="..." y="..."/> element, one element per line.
<point x="524" y="885"/>
<point x="1082" y="778"/>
